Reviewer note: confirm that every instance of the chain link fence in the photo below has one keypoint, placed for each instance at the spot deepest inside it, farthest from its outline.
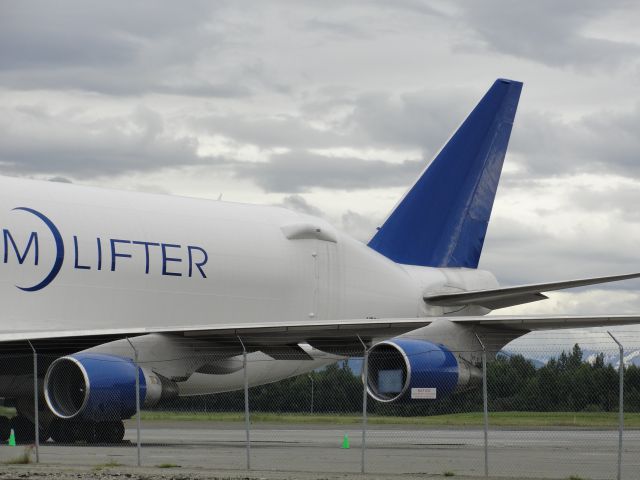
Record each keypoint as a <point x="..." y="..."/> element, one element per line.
<point x="535" y="410"/>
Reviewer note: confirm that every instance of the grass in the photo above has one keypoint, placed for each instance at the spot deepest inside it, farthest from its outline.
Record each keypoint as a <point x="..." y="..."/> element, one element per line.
<point x="168" y="465"/>
<point x="23" y="459"/>
<point x="448" y="473"/>
<point x="475" y="419"/>
<point x="109" y="464"/>
<point x="7" y="411"/>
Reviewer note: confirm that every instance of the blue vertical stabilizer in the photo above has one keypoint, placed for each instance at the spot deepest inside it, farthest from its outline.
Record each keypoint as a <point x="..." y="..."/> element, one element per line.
<point x="443" y="219"/>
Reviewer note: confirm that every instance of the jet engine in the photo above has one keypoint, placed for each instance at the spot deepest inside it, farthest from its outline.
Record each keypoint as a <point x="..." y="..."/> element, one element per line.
<point x="101" y="387"/>
<point x="403" y="369"/>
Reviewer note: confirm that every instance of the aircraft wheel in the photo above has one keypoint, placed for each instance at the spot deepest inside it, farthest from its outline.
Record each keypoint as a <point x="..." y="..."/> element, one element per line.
<point x="86" y="432"/>
<point x="23" y="429"/>
<point x="5" y="428"/>
<point x="57" y="430"/>
<point x="110" y="432"/>
<point x="63" y="431"/>
<point x="45" y="434"/>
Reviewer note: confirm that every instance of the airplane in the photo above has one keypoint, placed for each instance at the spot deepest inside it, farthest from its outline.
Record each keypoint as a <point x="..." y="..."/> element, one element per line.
<point x="187" y="296"/>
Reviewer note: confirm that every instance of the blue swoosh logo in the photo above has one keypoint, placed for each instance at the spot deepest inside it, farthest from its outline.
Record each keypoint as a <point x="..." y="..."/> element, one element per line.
<point x="57" y="265"/>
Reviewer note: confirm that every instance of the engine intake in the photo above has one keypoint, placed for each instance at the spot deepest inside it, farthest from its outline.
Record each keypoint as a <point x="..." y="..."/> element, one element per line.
<point x="398" y="367"/>
<point x="101" y="387"/>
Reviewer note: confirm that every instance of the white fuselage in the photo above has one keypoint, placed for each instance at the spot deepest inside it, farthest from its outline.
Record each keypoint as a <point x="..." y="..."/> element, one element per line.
<point x="74" y="257"/>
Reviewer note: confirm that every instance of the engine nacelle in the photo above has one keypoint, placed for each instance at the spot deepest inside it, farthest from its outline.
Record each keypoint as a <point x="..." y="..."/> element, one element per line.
<point x="100" y="387"/>
<point x="397" y="367"/>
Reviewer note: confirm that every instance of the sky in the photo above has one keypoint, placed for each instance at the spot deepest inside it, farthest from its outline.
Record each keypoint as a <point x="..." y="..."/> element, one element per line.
<point x="333" y="108"/>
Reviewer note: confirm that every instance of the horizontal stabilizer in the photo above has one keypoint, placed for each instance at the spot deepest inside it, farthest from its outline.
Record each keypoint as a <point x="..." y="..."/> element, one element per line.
<point x="509" y="296"/>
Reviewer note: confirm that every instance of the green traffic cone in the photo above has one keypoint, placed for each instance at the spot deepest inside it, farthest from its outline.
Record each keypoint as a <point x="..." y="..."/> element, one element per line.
<point x="345" y="441"/>
<point x="12" y="439"/>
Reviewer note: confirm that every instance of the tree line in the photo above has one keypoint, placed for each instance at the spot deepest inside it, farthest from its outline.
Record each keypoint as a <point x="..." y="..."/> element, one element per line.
<point x="564" y="383"/>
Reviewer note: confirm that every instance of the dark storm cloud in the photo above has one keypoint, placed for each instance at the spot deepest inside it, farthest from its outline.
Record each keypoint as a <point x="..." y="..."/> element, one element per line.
<point x="300" y="171"/>
<point x="548" y="31"/>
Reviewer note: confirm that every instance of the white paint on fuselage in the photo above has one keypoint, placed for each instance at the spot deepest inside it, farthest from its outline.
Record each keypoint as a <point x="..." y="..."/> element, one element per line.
<point x="132" y="258"/>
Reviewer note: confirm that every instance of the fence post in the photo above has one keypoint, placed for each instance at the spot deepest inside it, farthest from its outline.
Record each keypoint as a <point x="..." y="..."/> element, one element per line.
<point x="135" y="361"/>
<point x="620" y="404"/>
<point x="247" y="423"/>
<point x="485" y="404"/>
<point x="365" y="383"/>
<point x="36" y="394"/>
<point x="311" y="378"/>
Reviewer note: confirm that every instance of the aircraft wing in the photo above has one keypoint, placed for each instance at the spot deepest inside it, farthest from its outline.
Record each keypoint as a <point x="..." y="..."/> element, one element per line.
<point x="496" y="298"/>
<point x="269" y="330"/>
<point x="288" y="333"/>
<point x="548" y="322"/>
<point x="323" y="334"/>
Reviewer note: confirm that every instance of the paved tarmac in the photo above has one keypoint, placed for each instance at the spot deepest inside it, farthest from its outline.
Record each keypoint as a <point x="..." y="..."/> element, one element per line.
<point x="557" y="453"/>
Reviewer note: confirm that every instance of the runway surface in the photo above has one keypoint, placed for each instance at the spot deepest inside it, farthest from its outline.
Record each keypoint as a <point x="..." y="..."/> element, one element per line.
<point x="526" y="453"/>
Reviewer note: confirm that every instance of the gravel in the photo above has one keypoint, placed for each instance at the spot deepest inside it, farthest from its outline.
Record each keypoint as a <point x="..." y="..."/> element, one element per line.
<point x="55" y="472"/>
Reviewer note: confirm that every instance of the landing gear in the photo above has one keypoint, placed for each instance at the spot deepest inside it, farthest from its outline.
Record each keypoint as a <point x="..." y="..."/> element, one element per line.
<point x="86" y="432"/>
<point x="109" y="432"/>
<point x="5" y="428"/>
<point x="70" y="431"/>
<point x="64" y="431"/>
<point x="24" y="430"/>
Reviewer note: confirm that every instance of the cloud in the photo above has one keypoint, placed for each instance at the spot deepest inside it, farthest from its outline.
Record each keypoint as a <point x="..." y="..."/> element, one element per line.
<point x="359" y="226"/>
<point x="103" y="47"/>
<point x="605" y="140"/>
<point x="34" y="140"/>
<point x="556" y="238"/>
<point x="300" y="171"/>
<point x="549" y="32"/>
<point x="60" y="180"/>
<point x="336" y="29"/>
<point x="338" y="109"/>
<point x="271" y="131"/>
<point x="619" y="199"/>
<point x="419" y="119"/>
<point x="297" y="203"/>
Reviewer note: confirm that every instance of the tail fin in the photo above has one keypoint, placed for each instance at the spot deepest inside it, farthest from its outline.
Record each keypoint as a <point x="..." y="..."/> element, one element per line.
<point x="443" y="219"/>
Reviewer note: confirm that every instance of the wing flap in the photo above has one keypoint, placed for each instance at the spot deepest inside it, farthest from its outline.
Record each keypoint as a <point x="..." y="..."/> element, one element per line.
<point x="548" y="322"/>
<point x="496" y="298"/>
